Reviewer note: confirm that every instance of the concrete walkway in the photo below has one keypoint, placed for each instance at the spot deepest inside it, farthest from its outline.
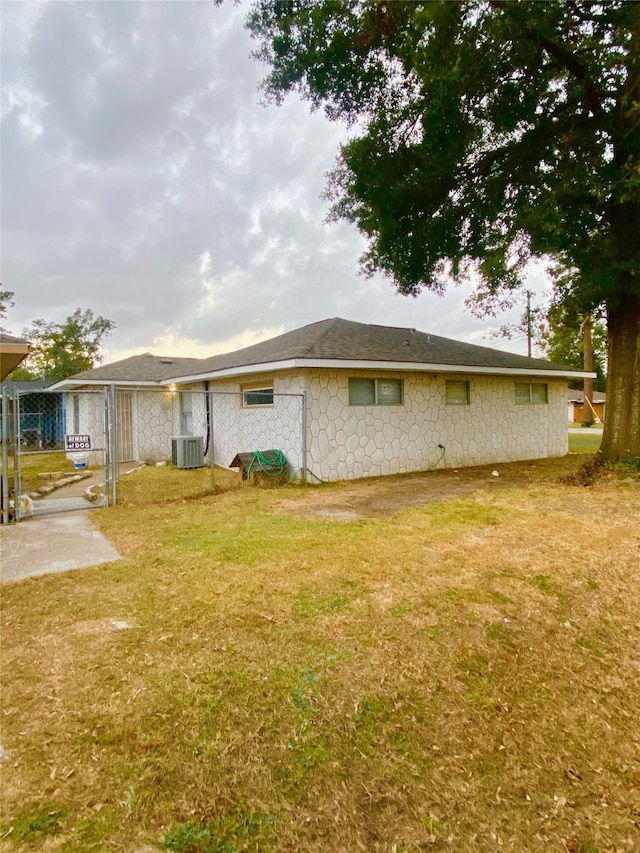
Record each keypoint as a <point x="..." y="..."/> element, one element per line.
<point x="53" y="543"/>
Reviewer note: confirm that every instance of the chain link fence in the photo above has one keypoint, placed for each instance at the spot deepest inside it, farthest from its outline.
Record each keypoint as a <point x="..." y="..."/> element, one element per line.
<point x="55" y="440"/>
<point x="50" y="464"/>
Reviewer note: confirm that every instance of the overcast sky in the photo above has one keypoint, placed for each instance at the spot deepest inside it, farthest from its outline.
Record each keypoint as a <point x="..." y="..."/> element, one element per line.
<point x="143" y="178"/>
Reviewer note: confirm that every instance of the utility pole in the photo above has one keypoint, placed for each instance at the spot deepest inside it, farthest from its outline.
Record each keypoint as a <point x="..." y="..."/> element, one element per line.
<point x="529" y="323"/>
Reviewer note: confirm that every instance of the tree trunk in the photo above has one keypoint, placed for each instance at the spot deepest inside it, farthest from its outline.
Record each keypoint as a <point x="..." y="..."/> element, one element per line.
<point x="621" y="438"/>
<point x="587" y="353"/>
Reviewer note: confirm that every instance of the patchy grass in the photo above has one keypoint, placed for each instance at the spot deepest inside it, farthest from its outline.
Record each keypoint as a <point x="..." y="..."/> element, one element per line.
<point x="33" y="464"/>
<point x="156" y="485"/>
<point x="459" y="676"/>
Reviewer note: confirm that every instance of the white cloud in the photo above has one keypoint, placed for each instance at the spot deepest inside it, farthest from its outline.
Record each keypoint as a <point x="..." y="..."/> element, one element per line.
<point x="143" y="179"/>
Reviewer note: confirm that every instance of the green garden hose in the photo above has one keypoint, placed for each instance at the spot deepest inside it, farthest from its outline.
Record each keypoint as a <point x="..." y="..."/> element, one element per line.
<point x="271" y="467"/>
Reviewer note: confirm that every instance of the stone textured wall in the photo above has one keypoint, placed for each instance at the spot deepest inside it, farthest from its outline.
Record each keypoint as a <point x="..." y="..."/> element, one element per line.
<point x="239" y="429"/>
<point x="346" y="441"/>
<point x="155" y="421"/>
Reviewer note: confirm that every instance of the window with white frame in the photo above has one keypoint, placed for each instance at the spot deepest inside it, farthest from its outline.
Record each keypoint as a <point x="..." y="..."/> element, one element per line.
<point x="531" y="392"/>
<point x="375" y="392"/>
<point x="457" y="392"/>
<point x="257" y="395"/>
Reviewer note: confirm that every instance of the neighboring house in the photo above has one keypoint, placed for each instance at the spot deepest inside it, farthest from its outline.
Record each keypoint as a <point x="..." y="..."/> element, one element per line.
<point x="12" y="352"/>
<point x="42" y="416"/>
<point x="372" y="400"/>
<point x="575" y="406"/>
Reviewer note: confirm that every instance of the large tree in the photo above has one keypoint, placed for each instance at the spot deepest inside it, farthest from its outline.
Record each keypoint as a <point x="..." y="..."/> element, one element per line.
<point x="484" y="133"/>
<point x="563" y="340"/>
<point x="59" y="350"/>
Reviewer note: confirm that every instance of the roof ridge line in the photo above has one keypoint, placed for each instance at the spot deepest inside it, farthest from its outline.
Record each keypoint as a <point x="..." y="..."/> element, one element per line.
<point x="331" y="322"/>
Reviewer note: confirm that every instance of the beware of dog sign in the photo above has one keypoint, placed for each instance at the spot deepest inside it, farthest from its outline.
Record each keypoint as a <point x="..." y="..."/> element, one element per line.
<point x="77" y="442"/>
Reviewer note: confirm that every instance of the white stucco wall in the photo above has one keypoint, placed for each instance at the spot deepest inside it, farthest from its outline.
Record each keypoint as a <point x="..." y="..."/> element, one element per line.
<point x="346" y="441"/>
<point x="239" y="429"/>
<point x="154" y="417"/>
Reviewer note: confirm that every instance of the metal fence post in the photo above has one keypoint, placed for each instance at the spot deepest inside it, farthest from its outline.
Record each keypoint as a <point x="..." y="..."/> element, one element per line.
<point x="105" y="445"/>
<point x="114" y="445"/>
<point x="16" y="454"/>
<point x="5" y="456"/>
<point x="303" y="472"/>
<point x="210" y="437"/>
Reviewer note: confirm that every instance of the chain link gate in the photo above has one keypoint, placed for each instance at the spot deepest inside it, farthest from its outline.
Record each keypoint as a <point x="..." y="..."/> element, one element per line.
<point x="58" y="455"/>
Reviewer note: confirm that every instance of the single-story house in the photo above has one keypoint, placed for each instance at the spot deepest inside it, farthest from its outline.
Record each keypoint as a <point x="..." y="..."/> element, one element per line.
<point x="575" y="406"/>
<point x="361" y="400"/>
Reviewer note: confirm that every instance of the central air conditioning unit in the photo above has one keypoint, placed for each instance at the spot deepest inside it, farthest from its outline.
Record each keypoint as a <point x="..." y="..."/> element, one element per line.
<point x="187" y="451"/>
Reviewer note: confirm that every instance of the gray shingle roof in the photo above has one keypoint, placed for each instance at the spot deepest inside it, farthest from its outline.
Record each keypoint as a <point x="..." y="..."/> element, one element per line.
<point x="327" y="340"/>
<point x="343" y="340"/>
<point x="574" y="396"/>
<point x="139" y="368"/>
<point x="10" y="339"/>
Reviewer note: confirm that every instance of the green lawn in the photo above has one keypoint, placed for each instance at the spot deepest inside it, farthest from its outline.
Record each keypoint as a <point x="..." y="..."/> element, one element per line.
<point x="584" y="442"/>
<point x="456" y="676"/>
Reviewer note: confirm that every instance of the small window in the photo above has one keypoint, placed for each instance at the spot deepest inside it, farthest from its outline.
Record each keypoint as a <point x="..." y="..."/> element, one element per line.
<point x="362" y="392"/>
<point x="389" y="392"/>
<point x="257" y="396"/>
<point x="539" y="393"/>
<point x="375" y="392"/>
<point x="457" y="392"/>
<point x="531" y="392"/>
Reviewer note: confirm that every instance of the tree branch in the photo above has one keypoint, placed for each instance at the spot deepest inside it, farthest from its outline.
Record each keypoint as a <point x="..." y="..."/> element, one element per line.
<point x="567" y="60"/>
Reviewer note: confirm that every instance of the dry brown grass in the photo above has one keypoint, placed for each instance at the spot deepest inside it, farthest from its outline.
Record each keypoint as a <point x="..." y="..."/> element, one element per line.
<point x="458" y="676"/>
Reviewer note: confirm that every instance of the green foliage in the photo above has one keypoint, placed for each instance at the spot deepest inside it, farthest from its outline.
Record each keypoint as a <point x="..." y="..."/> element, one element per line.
<point x="486" y="131"/>
<point x="63" y="349"/>
<point x="543" y="582"/>
<point x="630" y="465"/>
<point x="562" y="339"/>
<point x="192" y="837"/>
<point x="38" y="821"/>
<point x="239" y="830"/>
<point x="484" y="134"/>
<point x="6" y="302"/>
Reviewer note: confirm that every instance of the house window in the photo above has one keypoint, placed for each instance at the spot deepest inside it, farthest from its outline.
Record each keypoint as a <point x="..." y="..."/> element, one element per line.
<point x="457" y="392"/>
<point x="253" y="396"/>
<point x="375" y="392"/>
<point x="531" y="392"/>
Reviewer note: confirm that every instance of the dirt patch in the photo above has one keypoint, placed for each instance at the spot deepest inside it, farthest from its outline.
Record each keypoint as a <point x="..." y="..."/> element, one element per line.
<point x="379" y="496"/>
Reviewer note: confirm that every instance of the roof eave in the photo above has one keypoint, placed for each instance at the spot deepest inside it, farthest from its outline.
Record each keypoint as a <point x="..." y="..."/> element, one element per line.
<point x="355" y="364"/>
<point x="66" y="384"/>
